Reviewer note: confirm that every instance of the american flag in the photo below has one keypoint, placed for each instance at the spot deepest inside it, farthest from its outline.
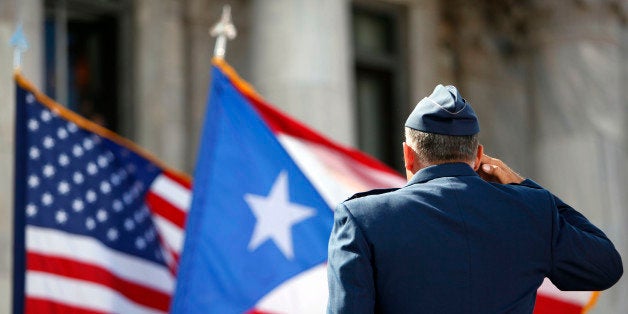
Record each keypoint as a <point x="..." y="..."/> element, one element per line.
<point x="101" y="220"/>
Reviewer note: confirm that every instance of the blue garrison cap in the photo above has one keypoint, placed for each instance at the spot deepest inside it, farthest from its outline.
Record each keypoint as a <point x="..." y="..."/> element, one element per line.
<point x="444" y="112"/>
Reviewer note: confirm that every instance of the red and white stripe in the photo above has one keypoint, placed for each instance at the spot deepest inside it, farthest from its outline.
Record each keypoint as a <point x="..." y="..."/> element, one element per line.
<point x="69" y="273"/>
<point x="335" y="175"/>
<point x="169" y="199"/>
<point x="78" y="274"/>
<point x="551" y="300"/>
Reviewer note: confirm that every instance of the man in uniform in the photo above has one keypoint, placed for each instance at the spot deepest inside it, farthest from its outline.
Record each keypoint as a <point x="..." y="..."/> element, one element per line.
<point x="466" y="235"/>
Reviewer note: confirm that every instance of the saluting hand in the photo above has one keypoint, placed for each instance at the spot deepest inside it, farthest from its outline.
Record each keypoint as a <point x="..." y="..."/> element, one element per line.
<point x="494" y="170"/>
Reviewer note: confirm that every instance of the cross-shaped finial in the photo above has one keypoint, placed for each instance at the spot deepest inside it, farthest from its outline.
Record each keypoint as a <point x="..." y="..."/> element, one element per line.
<point x="224" y="30"/>
<point x="19" y="43"/>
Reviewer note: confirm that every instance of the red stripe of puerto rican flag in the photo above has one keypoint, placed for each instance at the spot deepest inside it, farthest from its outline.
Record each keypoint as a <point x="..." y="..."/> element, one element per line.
<point x="550" y="300"/>
<point x="337" y="172"/>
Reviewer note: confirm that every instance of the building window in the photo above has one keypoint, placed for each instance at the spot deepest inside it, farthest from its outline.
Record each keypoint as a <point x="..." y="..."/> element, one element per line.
<point x="380" y="83"/>
<point x="84" y="47"/>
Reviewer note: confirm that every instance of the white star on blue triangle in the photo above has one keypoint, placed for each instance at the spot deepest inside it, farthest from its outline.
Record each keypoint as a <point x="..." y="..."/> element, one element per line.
<point x="275" y="216"/>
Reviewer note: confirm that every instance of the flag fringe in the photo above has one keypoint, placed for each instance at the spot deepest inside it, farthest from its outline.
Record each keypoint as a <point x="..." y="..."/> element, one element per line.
<point x="592" y="301"/>
<point x="93" y="127"/>
<point x="239" y="82"/>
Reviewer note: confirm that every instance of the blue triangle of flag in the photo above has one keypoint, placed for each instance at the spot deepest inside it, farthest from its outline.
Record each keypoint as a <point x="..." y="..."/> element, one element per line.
<point x="255" y="222"/>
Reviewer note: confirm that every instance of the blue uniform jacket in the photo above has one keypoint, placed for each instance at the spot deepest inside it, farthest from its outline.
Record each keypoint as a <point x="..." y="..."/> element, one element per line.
<point x="450" y="242"/>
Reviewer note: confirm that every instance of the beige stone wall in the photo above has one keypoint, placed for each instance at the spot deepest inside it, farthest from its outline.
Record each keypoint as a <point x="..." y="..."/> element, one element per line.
<point x="491" y="72"/>
<point x="578" y="96"/>
<point x="430" y="62"/>
<point x="548" y="81"/>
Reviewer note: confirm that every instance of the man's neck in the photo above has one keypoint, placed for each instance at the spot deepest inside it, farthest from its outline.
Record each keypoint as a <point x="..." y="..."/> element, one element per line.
<point x="421" y="165"/>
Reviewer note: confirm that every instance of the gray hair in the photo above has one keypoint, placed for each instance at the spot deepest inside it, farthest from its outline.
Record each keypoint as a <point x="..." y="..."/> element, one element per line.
<point x="438" y="148"/>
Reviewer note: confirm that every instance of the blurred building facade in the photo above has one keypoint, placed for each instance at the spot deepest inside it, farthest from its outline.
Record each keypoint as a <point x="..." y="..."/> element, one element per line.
<point x="548" y="79"/>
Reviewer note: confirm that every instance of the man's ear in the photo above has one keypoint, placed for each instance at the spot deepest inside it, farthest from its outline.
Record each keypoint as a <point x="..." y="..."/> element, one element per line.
<point x="478" y="157"/>
<point x="408" y="157"/>
<point x="409" y="160"/>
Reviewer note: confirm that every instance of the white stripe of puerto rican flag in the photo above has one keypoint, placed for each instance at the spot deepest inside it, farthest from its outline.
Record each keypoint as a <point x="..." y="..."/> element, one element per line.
<point x="552" y="300"/>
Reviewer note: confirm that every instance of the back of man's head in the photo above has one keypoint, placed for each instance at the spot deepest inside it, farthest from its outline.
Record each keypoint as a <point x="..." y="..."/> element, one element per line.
<point x="443" y="128"/>
<point x="435" y="148"/>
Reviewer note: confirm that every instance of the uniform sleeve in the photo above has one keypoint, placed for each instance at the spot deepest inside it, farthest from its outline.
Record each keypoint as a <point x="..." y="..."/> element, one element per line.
<point x="349" y="271"/>
<point x="583" y="258"/>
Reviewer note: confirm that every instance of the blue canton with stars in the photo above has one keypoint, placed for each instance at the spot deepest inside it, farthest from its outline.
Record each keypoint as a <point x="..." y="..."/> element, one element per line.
<point x="81" y="183"/>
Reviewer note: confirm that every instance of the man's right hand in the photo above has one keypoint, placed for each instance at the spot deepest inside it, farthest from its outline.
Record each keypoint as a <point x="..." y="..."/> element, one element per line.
<point x="494" y="170"/>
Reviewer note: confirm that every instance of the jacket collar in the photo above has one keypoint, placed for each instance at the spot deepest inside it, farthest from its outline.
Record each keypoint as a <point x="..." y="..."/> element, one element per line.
<point x="456" y="169"/>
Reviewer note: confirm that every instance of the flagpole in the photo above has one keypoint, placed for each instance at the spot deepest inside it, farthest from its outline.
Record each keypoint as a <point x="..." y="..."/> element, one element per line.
<point x="223" y="30"/>
<point x="19" y="44"/>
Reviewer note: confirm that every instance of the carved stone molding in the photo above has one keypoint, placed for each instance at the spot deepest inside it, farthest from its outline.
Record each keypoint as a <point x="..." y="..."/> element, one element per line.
<point x="617" y="8"/>
<point x="510" y="27"/>
<point x="563" y="21"/>
<point x="495" y="26"/>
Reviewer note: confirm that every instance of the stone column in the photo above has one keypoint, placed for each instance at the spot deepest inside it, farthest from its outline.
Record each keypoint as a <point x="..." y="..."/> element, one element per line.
<point x="430" y="59"/>
<point x="30" y="12"/>
<point x="160" y="104"/>
<point x="300" y="61"/>
<point x="490" y="70"/>
<point x="581" y="111"/>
